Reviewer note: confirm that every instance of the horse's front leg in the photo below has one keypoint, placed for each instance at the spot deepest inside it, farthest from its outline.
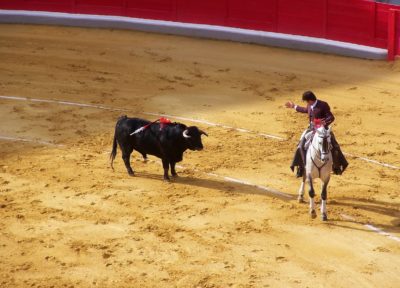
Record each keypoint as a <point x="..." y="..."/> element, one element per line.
<point x="324" y="194"/>
<point x="300" y="198"/>
<point x="311" y="193"/>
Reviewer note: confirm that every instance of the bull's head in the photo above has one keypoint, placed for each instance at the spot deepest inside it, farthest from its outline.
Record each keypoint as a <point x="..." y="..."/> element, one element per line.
<point x="192" y="136"/>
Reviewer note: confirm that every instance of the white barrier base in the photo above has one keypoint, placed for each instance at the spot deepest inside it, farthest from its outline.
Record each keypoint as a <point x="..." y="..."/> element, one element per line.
<point x="194" y="30"/>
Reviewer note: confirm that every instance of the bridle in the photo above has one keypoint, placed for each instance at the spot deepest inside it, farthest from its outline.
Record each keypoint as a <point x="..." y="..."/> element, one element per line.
<point x="319" y="152"/>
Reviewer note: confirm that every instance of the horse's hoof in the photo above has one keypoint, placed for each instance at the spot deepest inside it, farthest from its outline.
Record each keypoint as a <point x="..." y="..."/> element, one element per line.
<point x="167" y="179"/>
<point x="324" y="217"/>
<point x="175" y="175"/>
<point x="313" y="214"/>
<point x="131" y="173"/>
<point x="300" y="199"/>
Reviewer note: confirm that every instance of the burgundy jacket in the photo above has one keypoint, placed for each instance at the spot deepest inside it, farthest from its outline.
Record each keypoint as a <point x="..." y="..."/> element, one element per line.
<point x="320" y="111"/>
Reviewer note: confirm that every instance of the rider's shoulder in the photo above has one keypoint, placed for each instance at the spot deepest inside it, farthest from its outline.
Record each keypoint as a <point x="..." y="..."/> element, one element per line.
<point x="322" y="102"/>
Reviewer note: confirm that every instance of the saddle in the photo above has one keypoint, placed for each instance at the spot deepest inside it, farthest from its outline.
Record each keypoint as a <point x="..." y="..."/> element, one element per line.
<point x="339" y="160"/>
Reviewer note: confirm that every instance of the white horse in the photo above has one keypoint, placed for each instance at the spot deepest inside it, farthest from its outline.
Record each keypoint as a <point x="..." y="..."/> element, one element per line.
<point x="318" y="165"/>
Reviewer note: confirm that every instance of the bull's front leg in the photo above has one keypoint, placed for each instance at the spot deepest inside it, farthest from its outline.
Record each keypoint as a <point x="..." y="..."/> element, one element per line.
<point x="165" y="164"/>
<point x="173" y="171"/>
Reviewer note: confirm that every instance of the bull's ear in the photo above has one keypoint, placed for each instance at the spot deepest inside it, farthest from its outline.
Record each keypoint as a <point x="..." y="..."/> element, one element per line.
<point x="203" y="133"/>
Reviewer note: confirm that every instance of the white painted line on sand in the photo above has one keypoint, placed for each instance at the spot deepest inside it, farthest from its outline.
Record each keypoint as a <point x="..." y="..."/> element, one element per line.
<point x="17" y="139"/>
<point x="372" y="228"/>
<point x="289" y="196"/>
<point x="286" y="195"/>
<point x="182" y="118"/>
<point x="373" y="161"/>
<point x="226" y="178"/>
<point x="381" y="232"/>
<point x="264" y="135"/>
<point x="144" y="113"/>
<point x="347" y="217"/>
<point x="261" y="187"/>
<point x="235" y="180"/>
<point x="62" y="102"/>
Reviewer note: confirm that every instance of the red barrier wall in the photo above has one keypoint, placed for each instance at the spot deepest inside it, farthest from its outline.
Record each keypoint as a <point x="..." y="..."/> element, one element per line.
<point x="394" y="34"/>
<point x="357" y="21"/>
<point x="397" y="34"/>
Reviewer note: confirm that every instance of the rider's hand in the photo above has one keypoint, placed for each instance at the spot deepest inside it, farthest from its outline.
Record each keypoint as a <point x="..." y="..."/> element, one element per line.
<point x="289" y="104"/>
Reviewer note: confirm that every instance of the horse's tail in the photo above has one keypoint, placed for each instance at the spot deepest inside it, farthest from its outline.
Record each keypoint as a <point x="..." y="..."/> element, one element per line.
<point x="114" y="147"/>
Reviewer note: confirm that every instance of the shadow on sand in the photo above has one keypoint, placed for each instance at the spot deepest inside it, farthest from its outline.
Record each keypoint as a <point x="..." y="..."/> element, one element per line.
<point x="216" y="184"/>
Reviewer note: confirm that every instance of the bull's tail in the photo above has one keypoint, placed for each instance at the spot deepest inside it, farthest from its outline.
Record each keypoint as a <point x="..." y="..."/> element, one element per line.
<point x="114" y="147"/>
<point x="113" y="151"/>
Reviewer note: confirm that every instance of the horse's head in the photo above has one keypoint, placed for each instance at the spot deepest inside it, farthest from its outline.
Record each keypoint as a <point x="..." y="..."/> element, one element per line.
<point x="322" y="139"/>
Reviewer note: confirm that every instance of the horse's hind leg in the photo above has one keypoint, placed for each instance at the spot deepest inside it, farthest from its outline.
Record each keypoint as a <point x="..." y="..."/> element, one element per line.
<point x="311" y="193"/>
<point x="324" y="193"/>
<point x="300" y="198"/>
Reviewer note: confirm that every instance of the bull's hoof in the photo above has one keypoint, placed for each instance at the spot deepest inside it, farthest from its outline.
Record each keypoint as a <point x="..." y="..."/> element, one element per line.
<point x="167" y="179"/>
<point x="145" y="160"/>
<point x="174" y="175"/>
<point x="300" y="199"/>
<point x="324" y="217"/>
<point x="131" y="173"/>
<point x="313" y="214"/>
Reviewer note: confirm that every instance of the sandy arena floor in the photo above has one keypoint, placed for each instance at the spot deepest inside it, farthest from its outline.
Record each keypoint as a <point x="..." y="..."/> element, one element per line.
<point x="67" y="220"/>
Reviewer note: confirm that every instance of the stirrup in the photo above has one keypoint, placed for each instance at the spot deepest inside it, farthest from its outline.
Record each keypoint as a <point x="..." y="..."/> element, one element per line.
<point x="300" y="172"/>
<point x="337" y="170"/>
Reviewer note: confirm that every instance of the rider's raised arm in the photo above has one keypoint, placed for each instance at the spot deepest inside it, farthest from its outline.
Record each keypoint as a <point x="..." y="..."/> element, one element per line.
<point x="300" y="109"/>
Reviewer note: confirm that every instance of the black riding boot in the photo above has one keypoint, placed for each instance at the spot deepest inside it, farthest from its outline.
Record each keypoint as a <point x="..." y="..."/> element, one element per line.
<point x="302" y="164"/>
<point x="339" y="161"/>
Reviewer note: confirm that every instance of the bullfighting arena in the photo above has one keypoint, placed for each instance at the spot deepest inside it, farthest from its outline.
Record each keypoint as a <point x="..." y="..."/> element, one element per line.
<point x="231" y="218"/>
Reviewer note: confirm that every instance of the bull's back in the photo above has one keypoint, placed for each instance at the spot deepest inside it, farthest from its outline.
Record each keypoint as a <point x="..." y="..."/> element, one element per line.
<point x="144" y="142"/>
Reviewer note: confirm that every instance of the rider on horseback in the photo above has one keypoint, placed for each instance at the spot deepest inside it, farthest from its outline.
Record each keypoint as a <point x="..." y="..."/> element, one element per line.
<point x="317" y="111"/>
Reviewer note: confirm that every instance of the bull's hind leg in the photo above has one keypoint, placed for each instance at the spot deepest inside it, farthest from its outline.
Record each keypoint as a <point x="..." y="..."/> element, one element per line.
<point x="324" y="193"/>
<point x="165" y="164"/>
<point x="126" y="155"/>
<point x="126" y="158"/>
<point x="300" y="198"/>
<point x="173" y="171"/>
<point x="311" y="193"/>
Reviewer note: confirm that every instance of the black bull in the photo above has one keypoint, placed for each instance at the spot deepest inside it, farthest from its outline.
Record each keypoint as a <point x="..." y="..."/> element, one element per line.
<point x="168" y="143"/>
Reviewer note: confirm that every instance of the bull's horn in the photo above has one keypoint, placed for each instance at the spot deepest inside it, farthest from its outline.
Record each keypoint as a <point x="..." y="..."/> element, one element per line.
<point x="204" y="133"/>
<point x="185" y="134"/>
